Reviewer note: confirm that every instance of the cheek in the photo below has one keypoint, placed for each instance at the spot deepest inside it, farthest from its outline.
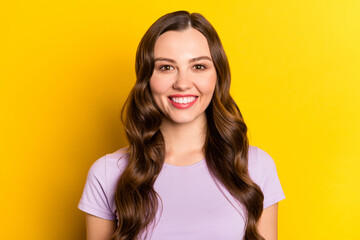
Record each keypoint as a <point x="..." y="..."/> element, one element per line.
<point x="158" y="86"/>
<point x="208" y="85"/>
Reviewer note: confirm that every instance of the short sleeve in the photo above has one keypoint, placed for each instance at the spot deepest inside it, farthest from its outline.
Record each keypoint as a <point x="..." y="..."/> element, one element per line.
<point x="94" y="199"/>
<point x="264" y="174"/>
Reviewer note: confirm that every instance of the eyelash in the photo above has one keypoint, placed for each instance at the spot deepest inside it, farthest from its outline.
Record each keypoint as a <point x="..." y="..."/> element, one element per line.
<point x="195" y="67"/>
<point x="162" y="68"/>
<point x="202" y="67"/>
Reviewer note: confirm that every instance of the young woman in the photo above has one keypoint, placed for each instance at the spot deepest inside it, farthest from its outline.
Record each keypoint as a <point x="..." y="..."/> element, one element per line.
<point x="188" y="172"/>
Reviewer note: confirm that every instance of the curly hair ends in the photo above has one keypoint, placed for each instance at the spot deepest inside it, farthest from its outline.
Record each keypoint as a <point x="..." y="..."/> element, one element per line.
<point x="226" y="144"/>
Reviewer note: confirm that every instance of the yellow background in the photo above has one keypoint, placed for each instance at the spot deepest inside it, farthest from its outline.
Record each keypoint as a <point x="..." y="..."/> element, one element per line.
<point x="67" y="67"/>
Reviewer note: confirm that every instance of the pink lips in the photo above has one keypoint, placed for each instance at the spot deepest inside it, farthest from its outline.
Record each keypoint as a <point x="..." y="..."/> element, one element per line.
<point x="182" y="105"/>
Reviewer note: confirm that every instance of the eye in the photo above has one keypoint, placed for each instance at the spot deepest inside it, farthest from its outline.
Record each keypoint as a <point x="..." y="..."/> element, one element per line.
<point x="166" y="68"/>
<point x="199" y="67"/>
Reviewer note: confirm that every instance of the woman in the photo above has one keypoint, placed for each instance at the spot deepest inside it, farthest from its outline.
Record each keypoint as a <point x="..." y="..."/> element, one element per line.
<point x="189" y="172"/>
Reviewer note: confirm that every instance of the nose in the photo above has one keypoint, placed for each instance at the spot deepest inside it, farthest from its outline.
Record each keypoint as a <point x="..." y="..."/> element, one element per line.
<point x="183" y="81"/>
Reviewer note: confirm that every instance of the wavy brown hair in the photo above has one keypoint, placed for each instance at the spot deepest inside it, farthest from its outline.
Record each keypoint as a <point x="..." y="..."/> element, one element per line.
<point x="225" y="147"/>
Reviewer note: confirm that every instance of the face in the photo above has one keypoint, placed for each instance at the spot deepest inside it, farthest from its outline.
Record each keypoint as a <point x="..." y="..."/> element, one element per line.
<point x="184" y="76"/>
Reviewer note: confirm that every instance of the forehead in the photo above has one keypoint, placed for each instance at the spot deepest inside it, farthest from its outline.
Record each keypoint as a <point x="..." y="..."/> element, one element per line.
<point x="181" y="44"/>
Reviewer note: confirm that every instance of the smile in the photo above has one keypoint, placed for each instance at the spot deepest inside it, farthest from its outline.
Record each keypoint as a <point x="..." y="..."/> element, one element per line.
<point x="183" y="101"/>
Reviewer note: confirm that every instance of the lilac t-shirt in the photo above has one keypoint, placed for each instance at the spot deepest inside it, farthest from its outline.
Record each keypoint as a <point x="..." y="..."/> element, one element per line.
<point x="194" y="205"/>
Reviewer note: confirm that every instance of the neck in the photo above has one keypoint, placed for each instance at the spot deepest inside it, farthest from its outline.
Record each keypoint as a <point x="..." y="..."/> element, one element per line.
<point x="184" y="137"/>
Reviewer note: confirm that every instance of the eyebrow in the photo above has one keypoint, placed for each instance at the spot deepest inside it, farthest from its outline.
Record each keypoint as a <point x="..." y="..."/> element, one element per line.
<point x="190" y="61"/>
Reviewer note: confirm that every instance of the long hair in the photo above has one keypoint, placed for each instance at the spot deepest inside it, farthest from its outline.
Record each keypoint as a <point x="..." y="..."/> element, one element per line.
<point x="225" y="147"/>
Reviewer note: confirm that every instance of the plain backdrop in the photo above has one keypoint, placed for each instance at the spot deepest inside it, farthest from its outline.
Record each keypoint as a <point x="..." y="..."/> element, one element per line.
<point x="67" y="67"/>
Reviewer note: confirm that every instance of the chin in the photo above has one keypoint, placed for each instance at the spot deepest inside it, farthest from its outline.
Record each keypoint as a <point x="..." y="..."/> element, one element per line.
<point x="184" y="119"/>
<point x="181" y="120"/>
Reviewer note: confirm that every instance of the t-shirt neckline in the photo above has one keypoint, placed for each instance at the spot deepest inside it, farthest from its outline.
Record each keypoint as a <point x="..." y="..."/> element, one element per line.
<point x="194" y="165"/>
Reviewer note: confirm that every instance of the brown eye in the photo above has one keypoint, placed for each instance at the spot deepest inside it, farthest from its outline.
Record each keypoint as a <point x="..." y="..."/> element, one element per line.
<point x="166" y="68"/>
<point x="199" y="67"/>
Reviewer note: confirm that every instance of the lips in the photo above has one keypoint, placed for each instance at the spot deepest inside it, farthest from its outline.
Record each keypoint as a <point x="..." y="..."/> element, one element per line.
<point x="182" y="101"/>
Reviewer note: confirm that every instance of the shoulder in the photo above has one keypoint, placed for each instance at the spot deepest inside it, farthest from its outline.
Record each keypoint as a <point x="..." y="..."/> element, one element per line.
<point x="98" y="194"/>
<point x="260" y="165"/>
<point x="259" y="160"/>
<point x="111" y="164"/>
<point x="262" y="170"/>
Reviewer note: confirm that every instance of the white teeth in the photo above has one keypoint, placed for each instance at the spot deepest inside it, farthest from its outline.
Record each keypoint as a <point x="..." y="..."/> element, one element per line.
<point x="183" y="99"/>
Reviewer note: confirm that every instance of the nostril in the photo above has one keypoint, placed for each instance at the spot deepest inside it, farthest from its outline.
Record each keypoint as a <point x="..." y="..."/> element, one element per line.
<point x="181" y="84"/>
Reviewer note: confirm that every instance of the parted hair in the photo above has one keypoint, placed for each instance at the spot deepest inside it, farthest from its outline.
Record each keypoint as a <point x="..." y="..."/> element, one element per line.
<point x="225" y="147"/>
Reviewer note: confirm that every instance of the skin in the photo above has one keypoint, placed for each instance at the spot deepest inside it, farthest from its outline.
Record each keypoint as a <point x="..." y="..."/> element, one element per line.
<point x="183" y="65"/>
<point x="98" y="228"/>
<point x="267" y="224"/>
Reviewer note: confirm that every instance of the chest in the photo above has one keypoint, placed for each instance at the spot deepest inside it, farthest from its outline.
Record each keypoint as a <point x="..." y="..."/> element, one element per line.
<point x="194" y="206"/>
